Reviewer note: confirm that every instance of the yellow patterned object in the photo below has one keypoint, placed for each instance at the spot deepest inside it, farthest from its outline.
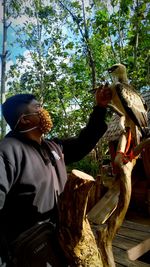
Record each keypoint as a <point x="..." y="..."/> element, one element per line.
<point x="45" y="121"/>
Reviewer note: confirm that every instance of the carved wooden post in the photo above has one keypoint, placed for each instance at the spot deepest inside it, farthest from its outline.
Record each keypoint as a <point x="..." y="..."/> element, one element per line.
<point x="75" y="235"/>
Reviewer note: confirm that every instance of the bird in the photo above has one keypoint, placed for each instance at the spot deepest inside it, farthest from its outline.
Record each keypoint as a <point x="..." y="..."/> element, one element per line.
<point x="128" y="103"/>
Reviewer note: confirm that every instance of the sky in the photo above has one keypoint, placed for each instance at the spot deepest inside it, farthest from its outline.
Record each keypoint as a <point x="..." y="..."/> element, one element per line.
<point x="14" y="51"/>
<point x="11" y="33"/>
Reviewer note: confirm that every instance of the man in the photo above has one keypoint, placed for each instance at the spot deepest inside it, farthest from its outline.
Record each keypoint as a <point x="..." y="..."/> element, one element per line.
<point x="32" y="168"/>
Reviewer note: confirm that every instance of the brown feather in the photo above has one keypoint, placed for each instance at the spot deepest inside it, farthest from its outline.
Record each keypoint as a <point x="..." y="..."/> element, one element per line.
<point x="128" y="101"/>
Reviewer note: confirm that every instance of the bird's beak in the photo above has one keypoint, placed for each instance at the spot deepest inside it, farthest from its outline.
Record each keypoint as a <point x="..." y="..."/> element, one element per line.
<point x="109" y="70"/>
<point x="113" y="68"/>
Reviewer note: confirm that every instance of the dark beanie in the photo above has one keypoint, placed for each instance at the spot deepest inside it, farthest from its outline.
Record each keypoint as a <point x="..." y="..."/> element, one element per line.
<point x="14" y="107"/>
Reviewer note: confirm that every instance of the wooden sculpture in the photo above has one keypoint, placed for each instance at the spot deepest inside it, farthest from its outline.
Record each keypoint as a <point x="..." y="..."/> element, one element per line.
<point x="86" y="236"/>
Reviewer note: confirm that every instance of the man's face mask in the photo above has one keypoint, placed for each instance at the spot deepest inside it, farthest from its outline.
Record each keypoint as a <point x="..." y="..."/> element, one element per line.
<point x="45" y="121"/>
<point x="45" y="124"/>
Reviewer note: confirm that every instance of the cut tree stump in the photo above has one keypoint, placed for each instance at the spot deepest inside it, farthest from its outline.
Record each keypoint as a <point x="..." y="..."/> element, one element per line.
<point x="75" y="235"/>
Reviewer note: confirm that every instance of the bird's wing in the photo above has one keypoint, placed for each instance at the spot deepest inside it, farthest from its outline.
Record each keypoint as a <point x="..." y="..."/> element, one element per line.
<point x="133" y="104"/>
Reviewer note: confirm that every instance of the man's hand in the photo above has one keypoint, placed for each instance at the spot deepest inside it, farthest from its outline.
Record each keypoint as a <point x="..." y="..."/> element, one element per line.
<point x="103" y="95"/>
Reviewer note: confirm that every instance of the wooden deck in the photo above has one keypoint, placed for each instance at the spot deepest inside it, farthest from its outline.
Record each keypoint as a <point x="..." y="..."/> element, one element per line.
<point x="131" y="242"/>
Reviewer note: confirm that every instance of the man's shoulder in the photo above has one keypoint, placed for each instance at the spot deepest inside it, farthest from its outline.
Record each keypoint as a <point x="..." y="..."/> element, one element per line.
<point x="8" y="142"/>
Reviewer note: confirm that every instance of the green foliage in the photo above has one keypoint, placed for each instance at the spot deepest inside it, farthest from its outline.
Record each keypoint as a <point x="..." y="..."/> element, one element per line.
<point x="70" y="46"/>
<point x="87" y="165"/>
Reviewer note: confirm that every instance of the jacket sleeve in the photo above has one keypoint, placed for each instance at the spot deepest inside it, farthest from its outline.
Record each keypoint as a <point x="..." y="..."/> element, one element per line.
<point x="75" y="148"/>
<point x="6" y="177"/>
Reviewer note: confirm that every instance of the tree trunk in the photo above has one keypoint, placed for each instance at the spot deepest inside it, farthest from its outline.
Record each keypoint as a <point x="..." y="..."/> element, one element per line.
<point x="3" y="62"/>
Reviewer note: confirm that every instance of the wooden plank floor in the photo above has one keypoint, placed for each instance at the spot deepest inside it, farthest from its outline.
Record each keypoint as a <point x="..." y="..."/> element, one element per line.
<point x="130" y="243"/>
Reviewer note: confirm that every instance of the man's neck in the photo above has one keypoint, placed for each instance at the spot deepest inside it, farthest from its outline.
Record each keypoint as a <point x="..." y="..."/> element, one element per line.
<point x="34" y="135"/>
